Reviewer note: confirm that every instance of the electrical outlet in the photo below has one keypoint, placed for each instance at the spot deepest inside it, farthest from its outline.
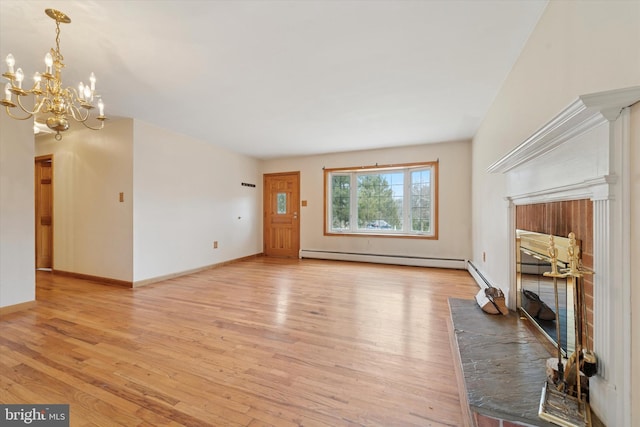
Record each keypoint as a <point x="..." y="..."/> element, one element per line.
<point x="215" y="244"/>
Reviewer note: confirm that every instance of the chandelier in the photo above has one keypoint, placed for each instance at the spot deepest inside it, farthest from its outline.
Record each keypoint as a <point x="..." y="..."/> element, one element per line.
<point x="51" y="99"/>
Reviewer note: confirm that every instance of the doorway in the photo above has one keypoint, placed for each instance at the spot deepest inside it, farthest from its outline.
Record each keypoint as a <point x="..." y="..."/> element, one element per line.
<point x="44" y="211"/>
<point x="281" y="214"/>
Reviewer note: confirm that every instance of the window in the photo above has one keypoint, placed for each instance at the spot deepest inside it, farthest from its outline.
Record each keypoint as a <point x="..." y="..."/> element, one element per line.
<point x="399" y="200"/>
<point x="282" y="203"/>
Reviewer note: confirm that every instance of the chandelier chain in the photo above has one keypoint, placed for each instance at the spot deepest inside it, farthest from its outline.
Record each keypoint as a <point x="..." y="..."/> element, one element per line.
<point x="58" y="54"/>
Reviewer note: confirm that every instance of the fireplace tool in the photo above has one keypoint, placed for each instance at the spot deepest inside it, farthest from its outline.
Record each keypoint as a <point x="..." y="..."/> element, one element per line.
<point x="553" y="255"/>
<point x="556" y="405"/>
<point x="589" y="361"/>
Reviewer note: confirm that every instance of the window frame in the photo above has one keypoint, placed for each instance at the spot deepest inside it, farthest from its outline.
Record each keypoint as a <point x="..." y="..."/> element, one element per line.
<point x="354" y="172"/>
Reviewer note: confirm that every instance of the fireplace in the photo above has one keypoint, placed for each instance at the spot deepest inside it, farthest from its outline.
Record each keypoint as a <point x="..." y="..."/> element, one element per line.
<point x="577" y="166"/>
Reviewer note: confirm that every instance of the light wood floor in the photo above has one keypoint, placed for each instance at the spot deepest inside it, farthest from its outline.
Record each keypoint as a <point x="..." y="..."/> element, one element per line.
<point x="263" y="342"/>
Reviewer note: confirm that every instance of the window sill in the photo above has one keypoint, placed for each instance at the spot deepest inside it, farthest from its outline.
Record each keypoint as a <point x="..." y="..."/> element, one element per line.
<point x="392" y="235"/>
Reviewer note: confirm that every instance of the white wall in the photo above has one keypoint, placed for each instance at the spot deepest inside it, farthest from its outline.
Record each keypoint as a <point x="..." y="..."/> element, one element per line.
<point x="454" y="200"/>
<point x="635" y="255"/>
<point x="93" y="230"/>
<point x="577" y="48"/>
<point x="188" y="194"/>
<point x="17" y="247"/>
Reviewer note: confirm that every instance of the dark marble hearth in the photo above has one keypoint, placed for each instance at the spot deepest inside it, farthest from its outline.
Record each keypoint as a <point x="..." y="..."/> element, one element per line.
<point x="503" y="364"/>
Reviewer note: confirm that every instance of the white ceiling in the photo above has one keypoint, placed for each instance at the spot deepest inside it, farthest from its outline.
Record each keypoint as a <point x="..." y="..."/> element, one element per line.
<point x="282" y="78"/>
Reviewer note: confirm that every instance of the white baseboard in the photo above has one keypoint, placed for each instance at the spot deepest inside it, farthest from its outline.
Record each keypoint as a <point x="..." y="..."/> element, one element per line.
<point x="459" y="264"/>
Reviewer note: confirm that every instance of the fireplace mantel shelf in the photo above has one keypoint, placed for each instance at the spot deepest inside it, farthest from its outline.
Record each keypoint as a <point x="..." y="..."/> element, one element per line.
<point x="583" y="114"/>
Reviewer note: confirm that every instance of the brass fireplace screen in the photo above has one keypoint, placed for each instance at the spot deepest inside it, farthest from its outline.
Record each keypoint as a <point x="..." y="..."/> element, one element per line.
<point x="535" y="296"/>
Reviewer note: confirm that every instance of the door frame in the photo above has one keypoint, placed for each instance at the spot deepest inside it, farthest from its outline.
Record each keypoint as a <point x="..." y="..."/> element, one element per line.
<point x="36" y="185"/>
<point x="265" y="206"/>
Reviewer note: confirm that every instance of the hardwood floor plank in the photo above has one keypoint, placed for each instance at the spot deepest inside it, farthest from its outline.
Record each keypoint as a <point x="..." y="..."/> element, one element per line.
<point x="261" y="342"/>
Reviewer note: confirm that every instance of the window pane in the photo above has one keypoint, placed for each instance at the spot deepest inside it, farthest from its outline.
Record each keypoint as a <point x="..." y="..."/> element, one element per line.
<point x="398" y="200"/>
<point x="421" y="200"/>
<point x="340" y="201"/>
<point x="282" y="203"/>
<point x="380" y="201"/>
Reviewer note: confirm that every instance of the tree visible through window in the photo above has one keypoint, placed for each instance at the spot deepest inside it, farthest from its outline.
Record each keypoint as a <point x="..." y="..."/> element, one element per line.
<point x="378" y="208"/>
<point x="421" y="200"/>
<point x="341" y="201"/>
<point x="397" y="200"/>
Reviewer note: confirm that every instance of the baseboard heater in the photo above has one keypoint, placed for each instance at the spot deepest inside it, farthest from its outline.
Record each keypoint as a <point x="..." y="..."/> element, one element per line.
<point x="477" y="276"/>
<point x="386" y="259"/>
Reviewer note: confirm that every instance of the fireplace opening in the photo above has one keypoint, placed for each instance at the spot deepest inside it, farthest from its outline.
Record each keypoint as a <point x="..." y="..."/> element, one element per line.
<point x="535" y="291"/>
<point x="558" y="219"/>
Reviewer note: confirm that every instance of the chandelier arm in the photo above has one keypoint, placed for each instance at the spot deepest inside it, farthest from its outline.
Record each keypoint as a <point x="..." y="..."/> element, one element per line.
<point x="39" y="104"/>
<point x="16" y="117"/>
<point x="73" y="95"/>
<point x="46" y="103"/>
<point x="77" y="114"/>
<point x="77" y="96"/>
<point x="92" y="128"/>
<point x="22" y="107"/>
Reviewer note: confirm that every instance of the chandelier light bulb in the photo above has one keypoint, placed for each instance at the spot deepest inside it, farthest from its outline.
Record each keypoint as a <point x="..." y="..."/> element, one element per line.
<point x="101" y="107"/>
<point x="37" y="78"/>
<point x="11" y="61"/>
<point x="92" y="79"/>
<point x="81" y="90"/>
<point x="87" y="93"/>
<point x="48" y="61"/>
<point x="19" y="77"/>
<point x="7" y="92"/>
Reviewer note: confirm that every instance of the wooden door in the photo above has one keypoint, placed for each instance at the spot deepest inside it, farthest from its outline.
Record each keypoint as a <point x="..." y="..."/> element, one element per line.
<point x="282" y="214"/>
<point x="44" y="211"/>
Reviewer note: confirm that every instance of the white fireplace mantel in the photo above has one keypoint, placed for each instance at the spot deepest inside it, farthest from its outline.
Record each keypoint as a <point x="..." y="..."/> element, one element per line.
<point x="585" y="113"/>
<point x="583" y="153"/>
